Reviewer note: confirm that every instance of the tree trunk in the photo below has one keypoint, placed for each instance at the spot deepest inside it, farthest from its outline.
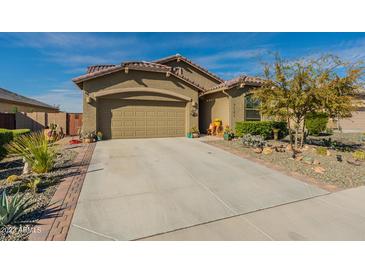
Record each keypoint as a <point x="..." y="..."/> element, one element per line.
<point x="303" y="134"/>
<point x="291" y="137"/>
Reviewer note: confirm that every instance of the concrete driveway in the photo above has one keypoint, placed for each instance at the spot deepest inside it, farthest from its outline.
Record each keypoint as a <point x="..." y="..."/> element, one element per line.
<point x="144" y="187"/>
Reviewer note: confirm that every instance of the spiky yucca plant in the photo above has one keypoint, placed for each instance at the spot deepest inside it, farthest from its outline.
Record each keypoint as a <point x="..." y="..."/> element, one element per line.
<point x="35" y="149"/>
<point x="12" y="209"/>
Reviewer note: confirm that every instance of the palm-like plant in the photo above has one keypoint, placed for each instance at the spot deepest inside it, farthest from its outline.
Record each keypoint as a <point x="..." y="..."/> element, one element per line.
<point x="12" y="210"/>
<point x="36" y="150"/>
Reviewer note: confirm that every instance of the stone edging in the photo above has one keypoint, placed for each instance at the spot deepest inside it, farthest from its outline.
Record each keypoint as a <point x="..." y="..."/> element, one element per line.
<point x="296" y="175"/>
<point x="64" y="201"/>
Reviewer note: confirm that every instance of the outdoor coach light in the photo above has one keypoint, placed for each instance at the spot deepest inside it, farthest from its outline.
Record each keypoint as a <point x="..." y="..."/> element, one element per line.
<point x="194" y="111"/>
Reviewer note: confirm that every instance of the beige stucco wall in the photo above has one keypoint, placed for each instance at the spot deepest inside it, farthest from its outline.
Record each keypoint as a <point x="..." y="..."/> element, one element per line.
<point x="194" y="74"/>
<point x="213" y="106"/>
<point x="238" y="104"/>
<point x="354" y="124"/>
<point x="120" y="81"/>
<point x="6" y="106"/>
<point x="228" y="105"/>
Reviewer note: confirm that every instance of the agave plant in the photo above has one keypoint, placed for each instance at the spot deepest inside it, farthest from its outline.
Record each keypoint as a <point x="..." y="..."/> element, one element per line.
<point x="36" y="151"/>
<point x="12" y="210"/>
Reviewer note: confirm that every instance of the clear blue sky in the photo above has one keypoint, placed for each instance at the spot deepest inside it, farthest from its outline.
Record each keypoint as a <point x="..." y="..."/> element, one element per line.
<point x="41" y="65"/>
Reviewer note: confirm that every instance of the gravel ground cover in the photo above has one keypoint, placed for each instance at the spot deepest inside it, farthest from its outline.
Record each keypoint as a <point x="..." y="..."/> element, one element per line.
<point x="46" y="190"/>
<point x="326" y="169"/>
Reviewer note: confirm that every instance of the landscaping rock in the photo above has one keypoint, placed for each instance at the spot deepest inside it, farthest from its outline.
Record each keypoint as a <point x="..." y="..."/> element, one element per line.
<point x="316" y="162"/>
<point x="257" y="150"/>
<point x="279" y="149"/>
<point x="305" y="148"/>
<point x="341" y="174"/>
<point x="41" y="198"/>
<point x="328" y="153"/>
<point x="267" y="151"/>
<point x="298" y="158"/>
<point x="308" y="160"/>
<point x="319" y="169"/>
<point x="354" y="162"/>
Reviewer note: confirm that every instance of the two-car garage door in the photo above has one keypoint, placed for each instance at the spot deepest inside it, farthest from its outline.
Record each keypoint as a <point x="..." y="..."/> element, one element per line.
<point x="141" y="119"/>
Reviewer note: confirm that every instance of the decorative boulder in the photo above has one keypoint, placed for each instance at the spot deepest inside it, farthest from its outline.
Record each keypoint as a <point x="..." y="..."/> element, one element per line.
<point x="267" y="151"/>
<point x="257" y="150"/>
<point x="319" y="169"/>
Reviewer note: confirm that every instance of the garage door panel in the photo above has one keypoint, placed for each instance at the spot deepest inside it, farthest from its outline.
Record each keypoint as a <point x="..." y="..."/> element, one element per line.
<point x="140" y="123"/>
<point x="142" y="119"/>
<point x="151" y="123"/>
<point x="140" y="113"/>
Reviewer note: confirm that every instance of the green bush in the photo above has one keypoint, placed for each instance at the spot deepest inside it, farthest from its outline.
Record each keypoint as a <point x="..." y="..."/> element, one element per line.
<point x="262" y="128"/>
<point x="359" y="155"/>
<point x="316" y="123"/>
<point x="7" y="135"/>
<point x="18" y="132"/>
<point x="321" y="151"/>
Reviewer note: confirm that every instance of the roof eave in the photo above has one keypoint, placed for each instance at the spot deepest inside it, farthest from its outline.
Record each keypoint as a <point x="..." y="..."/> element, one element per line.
<point x="79" y="80"/>
<point x="186" y="60"/>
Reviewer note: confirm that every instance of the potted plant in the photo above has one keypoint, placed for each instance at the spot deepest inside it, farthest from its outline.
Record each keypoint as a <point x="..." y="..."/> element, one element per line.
<point x="99" y="136"/>
<point x="276" y="133"/>
<point x="88" y="137"/>
<point x="195" y="132"/>
<point x="217" y="122"/>
<point x="228" y="133"/>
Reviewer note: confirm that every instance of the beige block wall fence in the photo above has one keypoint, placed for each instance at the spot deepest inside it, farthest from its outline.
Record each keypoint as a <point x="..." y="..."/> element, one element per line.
<point x="36" y="121"/>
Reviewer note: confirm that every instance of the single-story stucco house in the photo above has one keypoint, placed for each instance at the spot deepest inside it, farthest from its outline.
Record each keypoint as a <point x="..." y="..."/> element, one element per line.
<point x="163" y="98"/>
<point x="12" y="102"/>
<point x="356" y="123"/>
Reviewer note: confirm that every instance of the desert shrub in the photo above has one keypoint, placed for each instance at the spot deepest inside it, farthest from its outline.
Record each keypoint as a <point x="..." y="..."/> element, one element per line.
<point x="262" y="128"/>
<point x="35" y="149"/>
<point x="321" y="151"/>
<point x="359" y="155"/>
<point x="253" y="140"/>
<point x="11" y="210"/>
<point x="316" y="122"/>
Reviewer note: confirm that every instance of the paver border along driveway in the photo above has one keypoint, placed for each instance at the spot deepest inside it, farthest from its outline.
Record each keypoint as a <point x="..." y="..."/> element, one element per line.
<point x="142" y="187"/>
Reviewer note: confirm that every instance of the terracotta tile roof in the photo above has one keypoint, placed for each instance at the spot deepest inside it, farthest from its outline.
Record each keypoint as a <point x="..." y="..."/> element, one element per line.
<point x="17" y="98"/>
<point x="97" y="68"/>
<point x="242" y="79"/>
<point x="178" y="56"/>
<point x="158" y="66"/>
<point x="97" y="71"/>
<point x="146" y="66"/>
<point x="100" y="70"/>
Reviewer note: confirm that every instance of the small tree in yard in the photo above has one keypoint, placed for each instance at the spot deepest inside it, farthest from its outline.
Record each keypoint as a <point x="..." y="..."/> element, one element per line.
<point x="292" y="90"/>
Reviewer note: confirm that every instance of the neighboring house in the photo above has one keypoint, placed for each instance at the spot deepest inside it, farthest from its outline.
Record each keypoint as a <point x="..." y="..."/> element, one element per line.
<point x="12" y="102"/>
<point x="164" y="98"/>
<point x="356" y="123"/>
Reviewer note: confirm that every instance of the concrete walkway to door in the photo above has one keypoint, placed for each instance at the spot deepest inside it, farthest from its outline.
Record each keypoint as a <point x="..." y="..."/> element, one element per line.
<point x="142" y="187"/>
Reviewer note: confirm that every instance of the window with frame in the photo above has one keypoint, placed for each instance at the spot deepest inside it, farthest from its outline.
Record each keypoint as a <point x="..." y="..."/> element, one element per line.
<point x="252" y="111"/>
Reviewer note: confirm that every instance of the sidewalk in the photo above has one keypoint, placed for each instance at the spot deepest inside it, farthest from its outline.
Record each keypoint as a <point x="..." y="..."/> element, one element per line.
<point x="336" y="216"/>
